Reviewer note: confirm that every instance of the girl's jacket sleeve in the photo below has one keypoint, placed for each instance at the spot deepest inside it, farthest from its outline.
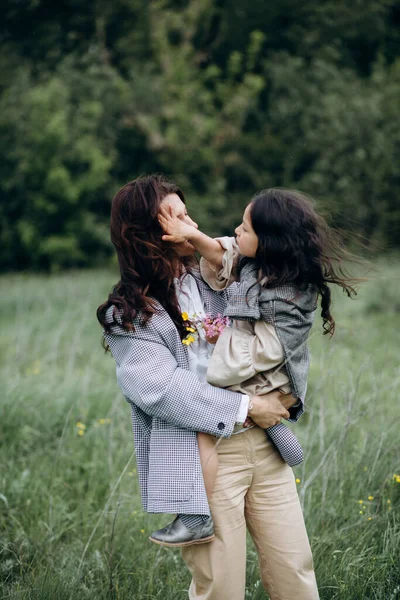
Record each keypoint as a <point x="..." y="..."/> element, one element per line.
<point x="220" y="279"/>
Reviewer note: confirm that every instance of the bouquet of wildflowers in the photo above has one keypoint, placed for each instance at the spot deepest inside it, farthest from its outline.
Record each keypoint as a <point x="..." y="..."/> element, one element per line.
<point x="212" y="327"/>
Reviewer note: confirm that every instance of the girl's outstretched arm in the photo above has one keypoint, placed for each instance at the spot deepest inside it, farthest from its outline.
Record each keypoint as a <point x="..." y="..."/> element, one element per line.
<point x="177" y="230"/>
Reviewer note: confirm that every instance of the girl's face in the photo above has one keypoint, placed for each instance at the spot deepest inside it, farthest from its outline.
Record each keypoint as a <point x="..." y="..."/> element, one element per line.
<point x="179" y="209"/>
<point x="245" y="236"/>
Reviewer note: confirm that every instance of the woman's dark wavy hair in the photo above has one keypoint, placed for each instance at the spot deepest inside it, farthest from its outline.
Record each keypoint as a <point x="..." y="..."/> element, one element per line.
<point x="296" y="245"/>
<point x="146" y="262"/>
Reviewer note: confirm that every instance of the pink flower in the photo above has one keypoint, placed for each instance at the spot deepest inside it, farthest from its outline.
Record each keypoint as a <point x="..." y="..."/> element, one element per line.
<point x="214" y="326"/>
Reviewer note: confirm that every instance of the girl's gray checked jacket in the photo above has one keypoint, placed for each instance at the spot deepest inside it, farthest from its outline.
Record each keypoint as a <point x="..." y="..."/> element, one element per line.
<point x="290" y="309"/>
<point x="169" y="404"/>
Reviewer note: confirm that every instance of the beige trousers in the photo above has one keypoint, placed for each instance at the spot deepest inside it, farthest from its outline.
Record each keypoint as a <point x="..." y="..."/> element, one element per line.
<point x="254" y="488"/>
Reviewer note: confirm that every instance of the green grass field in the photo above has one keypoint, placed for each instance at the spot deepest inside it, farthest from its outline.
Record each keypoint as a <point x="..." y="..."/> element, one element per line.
<point x="71" y="523"/>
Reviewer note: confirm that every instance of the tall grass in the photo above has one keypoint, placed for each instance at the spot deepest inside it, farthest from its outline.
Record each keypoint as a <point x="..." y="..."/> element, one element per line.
<point x="71" y="524"/>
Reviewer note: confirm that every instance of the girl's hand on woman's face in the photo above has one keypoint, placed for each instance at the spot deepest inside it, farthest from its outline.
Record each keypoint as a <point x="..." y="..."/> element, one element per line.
<point x="178" y="227"/>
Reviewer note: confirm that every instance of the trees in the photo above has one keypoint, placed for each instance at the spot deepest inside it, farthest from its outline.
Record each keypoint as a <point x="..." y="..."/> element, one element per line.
<point x="225" y="96"/>
<point x="58" y="137"/>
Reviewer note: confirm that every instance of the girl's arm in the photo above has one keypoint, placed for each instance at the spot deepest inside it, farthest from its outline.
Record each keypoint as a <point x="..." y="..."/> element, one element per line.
<point x="177" y="231"/>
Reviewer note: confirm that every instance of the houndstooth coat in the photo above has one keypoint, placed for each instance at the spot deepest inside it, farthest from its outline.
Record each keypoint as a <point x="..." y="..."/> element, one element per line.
<point x="169" y="404"/>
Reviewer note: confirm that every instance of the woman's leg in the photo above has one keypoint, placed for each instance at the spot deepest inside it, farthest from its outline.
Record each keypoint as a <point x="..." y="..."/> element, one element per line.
<point x="276" y="524"/>
<point x="219" y="568"/>
<point x="209" y="461"/>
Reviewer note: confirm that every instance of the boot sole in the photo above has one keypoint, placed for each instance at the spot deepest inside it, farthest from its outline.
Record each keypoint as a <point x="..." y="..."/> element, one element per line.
<point x="179" y="544"/>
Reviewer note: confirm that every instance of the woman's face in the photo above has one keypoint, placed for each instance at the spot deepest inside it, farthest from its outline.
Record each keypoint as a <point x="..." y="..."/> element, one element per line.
<point x="174" y="203"/>
<point x="246" y="238"/>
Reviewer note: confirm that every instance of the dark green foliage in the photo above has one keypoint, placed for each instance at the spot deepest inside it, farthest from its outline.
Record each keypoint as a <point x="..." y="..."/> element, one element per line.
<point x="226" y="97"/>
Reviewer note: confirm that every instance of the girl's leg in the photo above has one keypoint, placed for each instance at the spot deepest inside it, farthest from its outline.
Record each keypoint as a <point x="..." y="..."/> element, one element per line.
<point x="209" y="461"/>
<point x="219" y="568"/>
<point x="209" y="464"/>
<point x="275" y="521"/>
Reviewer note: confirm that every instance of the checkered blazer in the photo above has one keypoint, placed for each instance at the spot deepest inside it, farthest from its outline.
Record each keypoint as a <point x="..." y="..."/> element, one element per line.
<point x="169" y="404"/>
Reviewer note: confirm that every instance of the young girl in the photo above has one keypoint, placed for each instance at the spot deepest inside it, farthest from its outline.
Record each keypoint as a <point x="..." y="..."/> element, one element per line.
<point x="283" y="257"/>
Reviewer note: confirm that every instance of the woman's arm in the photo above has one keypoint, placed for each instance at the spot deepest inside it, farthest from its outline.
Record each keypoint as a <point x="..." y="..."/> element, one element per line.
<point x="150" y="377"/>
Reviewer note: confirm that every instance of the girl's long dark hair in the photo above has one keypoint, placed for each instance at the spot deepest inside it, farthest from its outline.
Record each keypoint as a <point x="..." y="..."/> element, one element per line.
<point x="147" y="264"/>
<point x="296" y="245"/>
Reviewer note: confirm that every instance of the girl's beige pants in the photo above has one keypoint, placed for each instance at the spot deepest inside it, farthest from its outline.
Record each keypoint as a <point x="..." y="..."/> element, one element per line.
<point x="256" y="489"/>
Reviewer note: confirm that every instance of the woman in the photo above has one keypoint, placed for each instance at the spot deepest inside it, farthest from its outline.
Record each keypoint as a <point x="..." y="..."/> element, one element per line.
<point x="171" y="401"/>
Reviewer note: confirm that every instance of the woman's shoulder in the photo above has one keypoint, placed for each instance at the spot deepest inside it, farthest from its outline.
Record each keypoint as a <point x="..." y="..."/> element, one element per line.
<point x="159" y="324"/>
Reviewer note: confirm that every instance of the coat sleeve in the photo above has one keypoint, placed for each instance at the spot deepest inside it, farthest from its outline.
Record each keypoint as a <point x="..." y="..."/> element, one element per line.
<point x="149" y="377"/>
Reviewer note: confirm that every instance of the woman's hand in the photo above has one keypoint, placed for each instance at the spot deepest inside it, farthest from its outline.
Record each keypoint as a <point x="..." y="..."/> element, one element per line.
<point x="268" y="410"/>
<point x="176" y="230"/>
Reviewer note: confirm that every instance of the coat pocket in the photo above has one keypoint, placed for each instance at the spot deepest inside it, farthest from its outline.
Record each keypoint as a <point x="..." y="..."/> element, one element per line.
<point x="173" y="463"/>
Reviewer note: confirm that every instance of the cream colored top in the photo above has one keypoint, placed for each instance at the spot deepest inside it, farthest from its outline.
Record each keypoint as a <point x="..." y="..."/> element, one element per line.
<point x="248" y="357"/>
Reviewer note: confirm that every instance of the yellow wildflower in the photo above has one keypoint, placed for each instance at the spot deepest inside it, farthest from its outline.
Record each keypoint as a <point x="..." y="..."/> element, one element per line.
<point x="191" y="329"/>
<point x="369" y="518"/>
<point x="185" y="316"/>
<point x="80" y="425"/>
<point x="361" y="502"/>
<point x="298" y="480"/>
<point x="81" y="432"/>
<point x="361" y="512"/>
<point x="34" y="368"/>
<point x="370" y="497"/>
<point x="142" y="531"/>
<point x="389" y="502"/>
